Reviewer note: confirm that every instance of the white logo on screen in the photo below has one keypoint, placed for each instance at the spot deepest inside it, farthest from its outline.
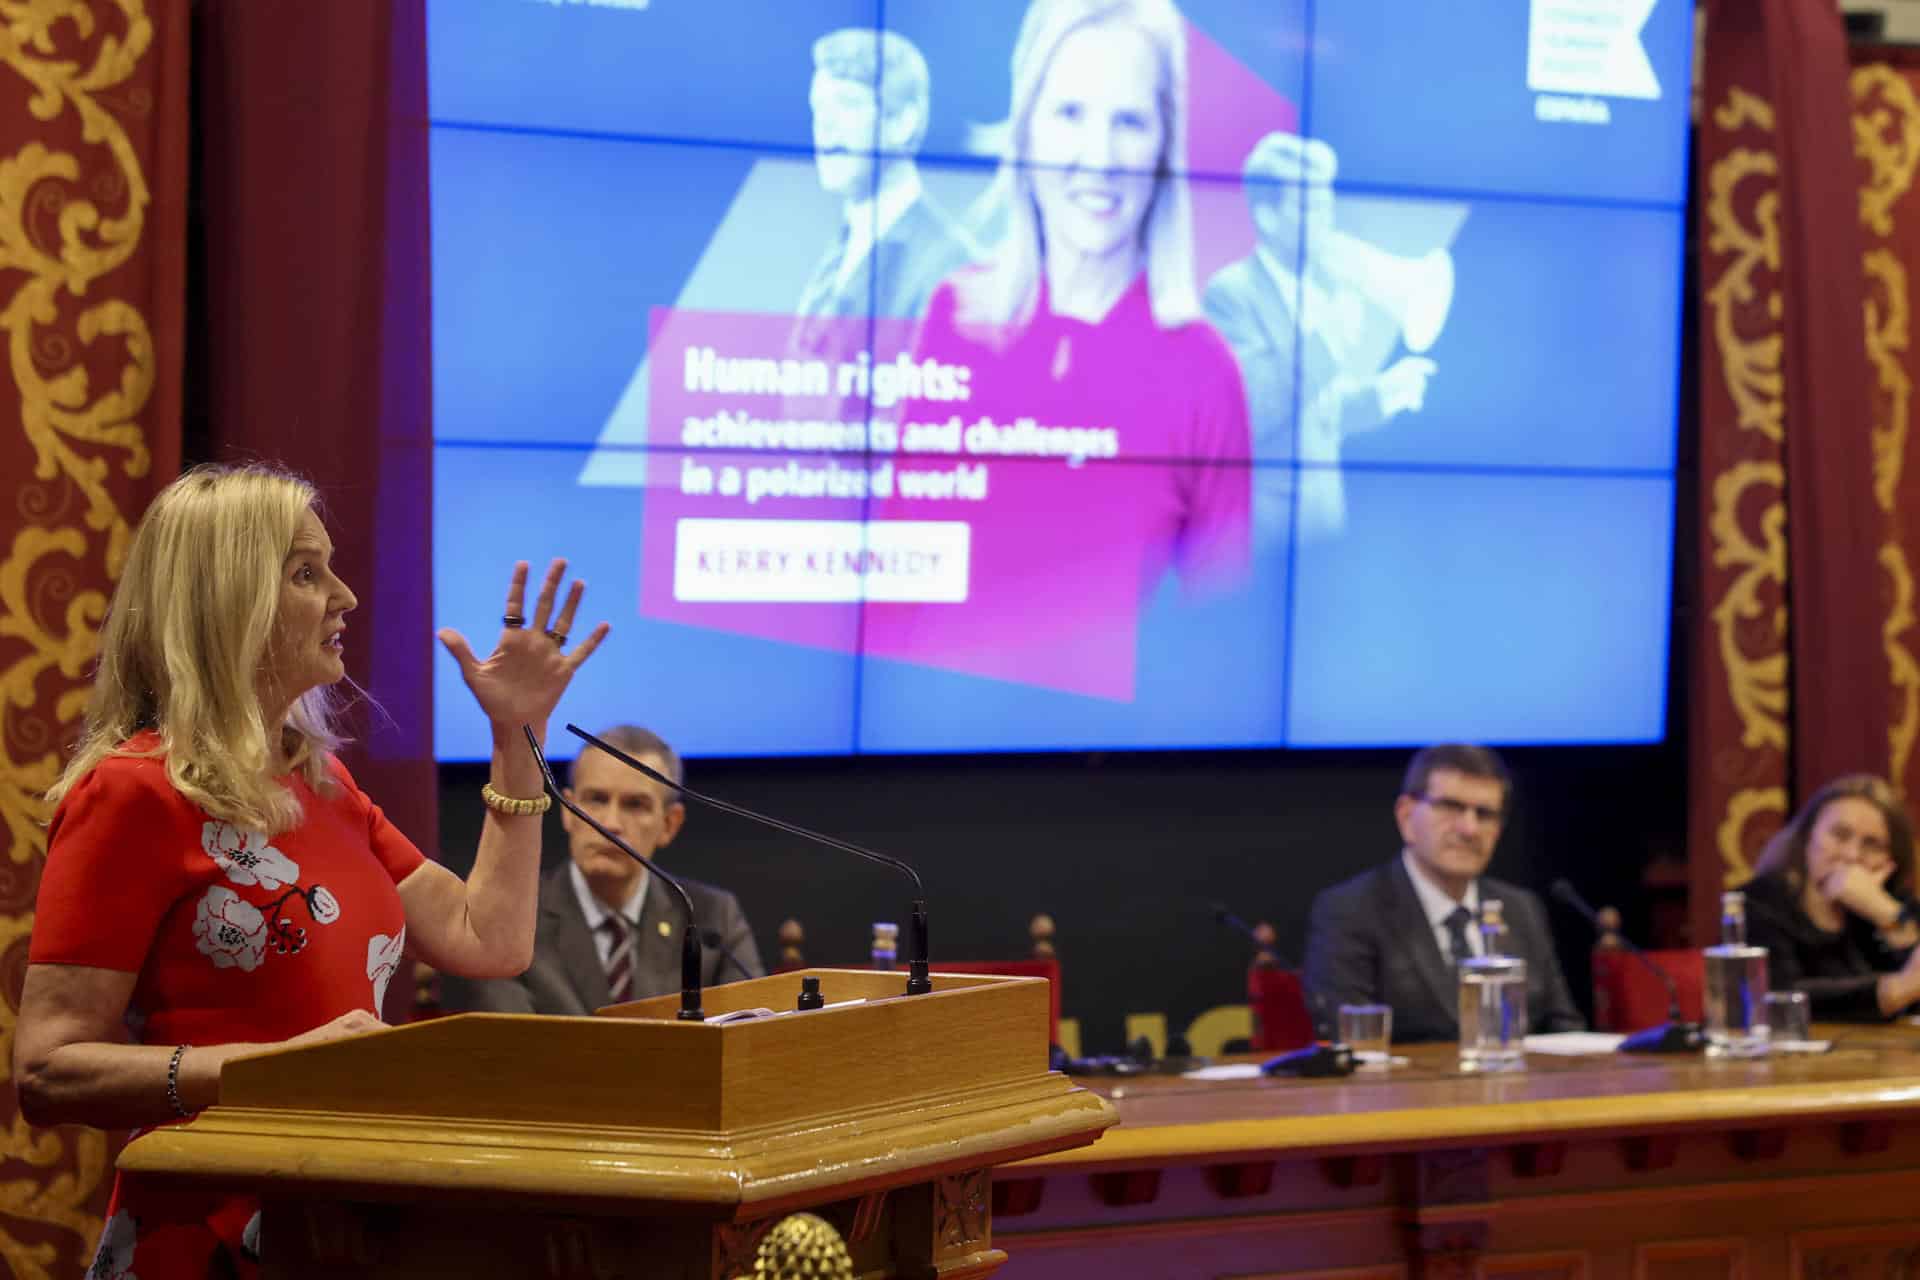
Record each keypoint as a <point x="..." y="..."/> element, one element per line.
<point x="1590" y="47"/>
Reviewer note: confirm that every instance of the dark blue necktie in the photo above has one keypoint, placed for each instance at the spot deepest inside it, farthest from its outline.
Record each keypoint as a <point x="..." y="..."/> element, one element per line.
<point x="1456" y="923"/>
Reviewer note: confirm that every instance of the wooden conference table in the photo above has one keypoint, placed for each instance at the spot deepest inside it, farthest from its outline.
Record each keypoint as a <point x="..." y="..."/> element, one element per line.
<point x="1583" y="1168"/>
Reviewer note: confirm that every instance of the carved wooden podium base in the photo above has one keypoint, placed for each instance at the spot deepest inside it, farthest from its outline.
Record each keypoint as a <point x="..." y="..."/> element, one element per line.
<point x="633" y="1145"/>
<point x="939" y="1228"/>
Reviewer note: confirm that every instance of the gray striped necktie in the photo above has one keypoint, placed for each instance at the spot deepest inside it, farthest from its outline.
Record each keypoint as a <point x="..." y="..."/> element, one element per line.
<point x="619" y="959"/>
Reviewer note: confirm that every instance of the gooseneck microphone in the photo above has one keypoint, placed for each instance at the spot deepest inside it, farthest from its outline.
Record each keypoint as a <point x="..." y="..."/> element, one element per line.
<point x="1319" y="1059"/>
<point x="1672" y="1036"/>
<point x="690" y="1010"/>
<point x="918" y="981"/>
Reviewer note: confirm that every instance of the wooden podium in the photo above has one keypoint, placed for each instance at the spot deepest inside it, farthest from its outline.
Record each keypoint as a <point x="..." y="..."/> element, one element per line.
<point x="631" y="1144"/>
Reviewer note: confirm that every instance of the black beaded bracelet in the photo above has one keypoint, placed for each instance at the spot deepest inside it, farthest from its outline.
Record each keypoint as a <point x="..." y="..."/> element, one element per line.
<point x="173" y="1082"/>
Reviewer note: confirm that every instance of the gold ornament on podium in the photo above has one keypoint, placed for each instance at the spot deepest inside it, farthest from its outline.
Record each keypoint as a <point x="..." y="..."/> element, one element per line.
<point x="803" y="1246"/>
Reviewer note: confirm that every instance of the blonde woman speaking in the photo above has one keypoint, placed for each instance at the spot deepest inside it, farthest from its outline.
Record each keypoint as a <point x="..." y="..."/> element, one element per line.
<point x="215" y="882"/>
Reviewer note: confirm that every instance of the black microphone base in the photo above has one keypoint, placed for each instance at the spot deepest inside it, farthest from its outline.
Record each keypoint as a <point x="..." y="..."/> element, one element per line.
<point x="1315" y="1060"/>
<point x="919" y="983"/>
<point x="1668" y="1037"/>
<point x="690" y="1010"/>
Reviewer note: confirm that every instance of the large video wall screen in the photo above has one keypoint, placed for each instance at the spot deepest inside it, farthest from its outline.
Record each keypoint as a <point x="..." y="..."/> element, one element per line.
<point x="920" y="376"/>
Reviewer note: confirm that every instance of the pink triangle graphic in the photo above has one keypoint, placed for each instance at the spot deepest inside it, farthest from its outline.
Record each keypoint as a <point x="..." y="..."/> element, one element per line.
<point x="1229" y="109"/>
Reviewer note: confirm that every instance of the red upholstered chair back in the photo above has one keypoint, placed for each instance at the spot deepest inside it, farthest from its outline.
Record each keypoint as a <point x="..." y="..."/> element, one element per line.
<point x="1626" y="997"/>
<point x="1048" y="969"/>
<point x="1279" y="1006"/>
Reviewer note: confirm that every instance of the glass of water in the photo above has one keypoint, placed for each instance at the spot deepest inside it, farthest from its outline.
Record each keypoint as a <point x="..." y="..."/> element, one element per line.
<point x="1789" y="1018"/>
<point x="1367" y="1029"/>
<point x="1493" y="1013"/>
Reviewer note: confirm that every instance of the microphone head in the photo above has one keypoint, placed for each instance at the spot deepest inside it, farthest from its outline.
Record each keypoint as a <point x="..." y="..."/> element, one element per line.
<point x="1562" y="890"/>
<point x="710" y="938"/>
<point x="1220" y="913"/>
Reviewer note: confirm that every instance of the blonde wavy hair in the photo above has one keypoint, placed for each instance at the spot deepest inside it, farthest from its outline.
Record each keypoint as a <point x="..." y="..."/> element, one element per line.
<point x="1005" y="291"/>
<point x="186" y="638"/>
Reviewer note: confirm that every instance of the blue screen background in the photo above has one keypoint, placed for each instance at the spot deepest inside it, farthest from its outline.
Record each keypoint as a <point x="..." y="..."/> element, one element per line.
<point x="1503" y="573"/>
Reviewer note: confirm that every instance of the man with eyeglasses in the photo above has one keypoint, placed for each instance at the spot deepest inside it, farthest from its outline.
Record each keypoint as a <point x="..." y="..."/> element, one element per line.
<point x="1393" y="935"/>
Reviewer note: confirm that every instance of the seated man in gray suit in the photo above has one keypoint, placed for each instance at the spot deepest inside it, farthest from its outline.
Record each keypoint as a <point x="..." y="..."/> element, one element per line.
<point x="605" y="933"/>
<point x="1393" y="934"/>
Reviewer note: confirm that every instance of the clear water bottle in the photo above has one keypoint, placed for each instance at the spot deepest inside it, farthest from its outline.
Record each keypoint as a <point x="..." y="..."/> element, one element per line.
<point x="1736" y="980"/>
<point x="1493" y="1000"/>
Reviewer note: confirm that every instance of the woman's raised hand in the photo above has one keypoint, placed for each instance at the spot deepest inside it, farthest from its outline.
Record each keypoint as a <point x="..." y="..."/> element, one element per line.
<point x="1861" y="891"/>
<point x="521" y="681"/>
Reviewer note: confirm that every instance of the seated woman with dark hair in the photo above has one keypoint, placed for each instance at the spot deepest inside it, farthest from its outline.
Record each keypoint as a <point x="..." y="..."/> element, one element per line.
<point x="1832" y="902"/>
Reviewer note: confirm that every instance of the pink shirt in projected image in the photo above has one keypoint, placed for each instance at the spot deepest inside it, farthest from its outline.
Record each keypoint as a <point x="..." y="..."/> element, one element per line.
<point x="1061" y="555"/>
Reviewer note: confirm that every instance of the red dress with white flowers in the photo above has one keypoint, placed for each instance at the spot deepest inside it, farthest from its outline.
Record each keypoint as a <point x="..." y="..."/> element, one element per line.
<point x="235" y="936"/>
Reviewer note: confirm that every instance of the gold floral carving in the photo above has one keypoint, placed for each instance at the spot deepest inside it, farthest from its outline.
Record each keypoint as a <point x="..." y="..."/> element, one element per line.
<point x="1752" y="632"/>
<point x="962" y="1203"/>
<point x="82" y="365"/>
<point x="1888" y="330"/>
<point x="1904" y="725"/>
<point x="1743" y="807"/>
<point x="1886" y="135"/>
<point x="1750" y="362"/>
<point x="1742" y="108"/>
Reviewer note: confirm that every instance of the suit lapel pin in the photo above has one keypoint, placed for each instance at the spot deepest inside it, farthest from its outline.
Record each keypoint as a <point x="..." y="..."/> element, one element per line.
<point x="666" y="930"/>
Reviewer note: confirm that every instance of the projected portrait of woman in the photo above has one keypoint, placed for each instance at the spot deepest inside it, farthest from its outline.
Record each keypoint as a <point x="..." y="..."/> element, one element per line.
<point x="1087" y="189"/>
<point x="1083" y="316"/>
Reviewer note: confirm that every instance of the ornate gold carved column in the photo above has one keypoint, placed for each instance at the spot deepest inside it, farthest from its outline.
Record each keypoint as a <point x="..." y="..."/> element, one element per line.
<point x="1741" y="686"/>
<point x="93" y="118"/>
<point x="1886" y="140"/>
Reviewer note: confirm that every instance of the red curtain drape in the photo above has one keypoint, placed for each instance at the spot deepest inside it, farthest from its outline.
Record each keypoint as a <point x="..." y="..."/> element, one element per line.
<point x="93" y="200"/>
<point x="1795" y="678"/>
<point x="312" y="178"/>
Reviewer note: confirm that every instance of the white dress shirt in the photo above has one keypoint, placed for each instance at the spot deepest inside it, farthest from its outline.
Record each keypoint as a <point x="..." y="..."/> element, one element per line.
<point x="1438" y="906"/>
<point x="596" y="912"/>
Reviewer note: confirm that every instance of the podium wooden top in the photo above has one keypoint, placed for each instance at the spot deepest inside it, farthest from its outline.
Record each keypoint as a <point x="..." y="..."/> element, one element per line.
<point x="634" y="1064"/>
<point x="635" y="1105"/>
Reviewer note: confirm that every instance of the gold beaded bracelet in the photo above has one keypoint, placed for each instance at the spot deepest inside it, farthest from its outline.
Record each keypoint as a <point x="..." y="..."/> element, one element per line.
<point x="511" y="807"/>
